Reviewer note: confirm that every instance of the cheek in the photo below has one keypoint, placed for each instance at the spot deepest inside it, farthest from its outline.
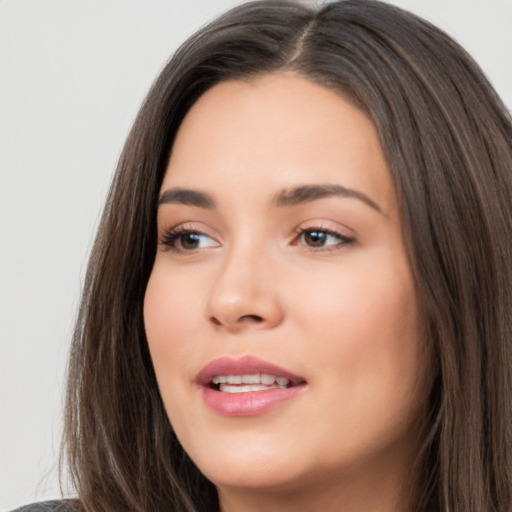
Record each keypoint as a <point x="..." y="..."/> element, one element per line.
<point x="367" y="344"/>
<point x="364" y="326"/>
<point x="361" y="303"/>
<point x="170" y="319"/>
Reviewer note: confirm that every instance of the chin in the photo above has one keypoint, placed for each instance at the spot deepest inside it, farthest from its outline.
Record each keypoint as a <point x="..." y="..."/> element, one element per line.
<point x="262" y="479"/>
<point x="257" y="469"/>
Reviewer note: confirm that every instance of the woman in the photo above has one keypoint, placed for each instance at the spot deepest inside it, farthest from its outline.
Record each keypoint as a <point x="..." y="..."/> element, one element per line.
<point x="299" y="297"/>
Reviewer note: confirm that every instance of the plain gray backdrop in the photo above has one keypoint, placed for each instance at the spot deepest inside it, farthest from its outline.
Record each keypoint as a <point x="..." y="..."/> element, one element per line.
<point x="72" y="76"/>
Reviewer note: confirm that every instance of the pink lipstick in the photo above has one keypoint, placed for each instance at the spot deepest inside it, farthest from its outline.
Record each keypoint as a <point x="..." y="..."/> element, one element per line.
<point x="246" y="386"/>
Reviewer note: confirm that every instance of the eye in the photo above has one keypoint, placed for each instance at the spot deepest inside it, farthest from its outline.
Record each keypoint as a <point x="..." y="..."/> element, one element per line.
<point x="187" y="240"/>
<point x="320" y="238"/>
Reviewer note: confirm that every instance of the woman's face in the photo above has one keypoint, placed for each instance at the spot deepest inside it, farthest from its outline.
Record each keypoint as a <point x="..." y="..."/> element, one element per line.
<point x="281" y="313"/>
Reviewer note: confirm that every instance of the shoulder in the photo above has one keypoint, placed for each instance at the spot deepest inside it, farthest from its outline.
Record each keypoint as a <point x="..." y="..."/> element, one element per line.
<point x="50" y="506"/>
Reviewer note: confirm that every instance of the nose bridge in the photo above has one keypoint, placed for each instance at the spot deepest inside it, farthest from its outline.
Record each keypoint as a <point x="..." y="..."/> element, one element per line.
<point x="243" y="293"/>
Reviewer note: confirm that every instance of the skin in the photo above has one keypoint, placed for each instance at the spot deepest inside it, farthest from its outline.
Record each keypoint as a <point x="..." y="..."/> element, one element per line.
<point x="343" y="315"/>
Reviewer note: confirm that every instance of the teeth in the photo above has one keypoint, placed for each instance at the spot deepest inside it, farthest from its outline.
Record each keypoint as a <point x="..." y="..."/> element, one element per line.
<point x="267" y="379"/>
<point x="251" y="382"/>
<point x="282" y="382"/>
<point x="226" y="388"/>
<point x="251" y="379"/>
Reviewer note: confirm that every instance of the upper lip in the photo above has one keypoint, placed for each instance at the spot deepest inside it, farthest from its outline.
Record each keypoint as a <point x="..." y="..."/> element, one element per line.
<point x="243" y="366"/>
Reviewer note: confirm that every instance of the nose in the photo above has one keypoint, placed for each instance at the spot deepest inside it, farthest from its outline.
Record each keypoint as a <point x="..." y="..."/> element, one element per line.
<point x="245" y="294"/>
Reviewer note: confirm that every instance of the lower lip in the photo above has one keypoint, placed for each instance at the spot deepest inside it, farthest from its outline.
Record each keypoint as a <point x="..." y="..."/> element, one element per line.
<point x="250" y="403"/>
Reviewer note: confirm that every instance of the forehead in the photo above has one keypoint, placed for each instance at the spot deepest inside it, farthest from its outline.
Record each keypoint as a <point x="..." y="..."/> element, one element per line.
<point x="280" y="130"/>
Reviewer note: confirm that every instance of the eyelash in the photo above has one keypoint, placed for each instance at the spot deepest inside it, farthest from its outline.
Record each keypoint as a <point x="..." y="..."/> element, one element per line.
<point x="171" y="237"/>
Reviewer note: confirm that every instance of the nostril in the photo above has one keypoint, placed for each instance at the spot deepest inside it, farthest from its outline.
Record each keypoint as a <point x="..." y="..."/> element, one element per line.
<point x="251" y="318"/>
<point x="241" y="320"/>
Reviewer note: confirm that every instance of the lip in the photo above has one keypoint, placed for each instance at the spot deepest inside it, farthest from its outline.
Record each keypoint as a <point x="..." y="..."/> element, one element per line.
<point x="249" y="403"/>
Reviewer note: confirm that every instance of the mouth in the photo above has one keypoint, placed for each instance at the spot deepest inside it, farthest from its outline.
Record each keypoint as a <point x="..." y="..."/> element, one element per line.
<point x="249" y="382"/>
<point x="246" y="374"/>
<point x="247" y="386"/>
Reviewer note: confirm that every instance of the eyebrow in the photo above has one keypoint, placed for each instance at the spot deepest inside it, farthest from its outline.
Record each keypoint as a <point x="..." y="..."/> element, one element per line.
<point x="307" y="193"/>
<point x="288" y="197"/>
<point x="187" y="197"/>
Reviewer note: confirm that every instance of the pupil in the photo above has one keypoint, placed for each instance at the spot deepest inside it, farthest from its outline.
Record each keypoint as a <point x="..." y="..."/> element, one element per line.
<point x="316" y="238"/>
<point x="190" y="241"/>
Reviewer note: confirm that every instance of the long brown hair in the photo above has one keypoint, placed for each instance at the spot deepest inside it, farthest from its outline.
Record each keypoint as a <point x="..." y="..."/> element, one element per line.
<point x="448" y="142"/>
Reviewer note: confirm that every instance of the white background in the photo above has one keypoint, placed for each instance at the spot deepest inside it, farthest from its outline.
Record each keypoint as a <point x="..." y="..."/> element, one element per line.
<point x="72" y="76"/>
